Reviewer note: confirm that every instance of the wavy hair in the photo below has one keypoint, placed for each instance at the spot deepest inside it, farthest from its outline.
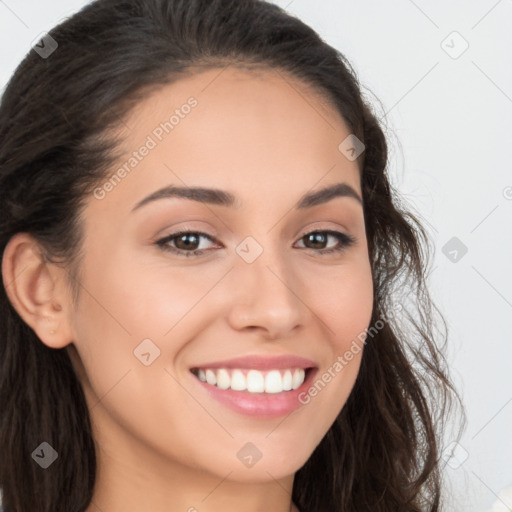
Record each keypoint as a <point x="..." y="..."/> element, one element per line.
<point x="57" y="119"/>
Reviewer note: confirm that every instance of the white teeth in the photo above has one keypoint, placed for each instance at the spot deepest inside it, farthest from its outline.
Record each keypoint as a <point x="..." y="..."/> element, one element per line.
<point x="238" y="382"/>
<point x="210" y="377"/>
<point x="298" y="378"/>
<point x="273" y="382"/>
<point x="254" y="381"/>
<point x="287" y="380"/>
<point x="223" y="379"/>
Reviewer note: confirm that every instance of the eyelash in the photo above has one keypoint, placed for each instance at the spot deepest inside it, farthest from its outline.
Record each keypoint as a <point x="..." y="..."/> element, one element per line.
<point x="345" y="241"/>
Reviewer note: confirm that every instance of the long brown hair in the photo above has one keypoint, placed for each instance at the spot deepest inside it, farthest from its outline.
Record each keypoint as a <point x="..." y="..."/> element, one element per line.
<point x="56" y="116"/>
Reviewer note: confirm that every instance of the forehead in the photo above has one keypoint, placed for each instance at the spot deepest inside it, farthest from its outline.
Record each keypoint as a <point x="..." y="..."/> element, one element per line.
<point x="241" y="85"/>
<point x="260" y="132"/>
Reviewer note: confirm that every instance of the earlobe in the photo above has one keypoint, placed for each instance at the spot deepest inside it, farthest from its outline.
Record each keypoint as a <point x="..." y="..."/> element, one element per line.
<point x="34" y="288"/>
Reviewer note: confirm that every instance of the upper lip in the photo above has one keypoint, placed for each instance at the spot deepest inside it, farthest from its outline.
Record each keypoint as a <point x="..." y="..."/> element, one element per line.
<point x="256" y="362"/>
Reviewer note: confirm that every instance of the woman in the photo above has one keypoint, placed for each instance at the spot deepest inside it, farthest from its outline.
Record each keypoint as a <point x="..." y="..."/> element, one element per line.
<point x="202" y="260"/>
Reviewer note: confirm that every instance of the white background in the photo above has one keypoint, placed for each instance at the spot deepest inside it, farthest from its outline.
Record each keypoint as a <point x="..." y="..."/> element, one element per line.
<point x="450" y="126"/>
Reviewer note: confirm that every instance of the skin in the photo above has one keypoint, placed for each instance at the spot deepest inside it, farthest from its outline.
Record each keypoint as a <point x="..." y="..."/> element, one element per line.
<point x="162" y="443"/>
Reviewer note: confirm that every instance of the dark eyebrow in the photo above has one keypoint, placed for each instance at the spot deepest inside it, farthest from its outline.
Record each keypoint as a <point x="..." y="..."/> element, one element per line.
<point x="223" y="198"/>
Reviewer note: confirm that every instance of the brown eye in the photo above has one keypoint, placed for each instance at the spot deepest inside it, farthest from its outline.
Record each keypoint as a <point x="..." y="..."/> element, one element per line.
<point x="317" y="241"/>
<point x="187" y="241"/>
<point x="184" y="243"/>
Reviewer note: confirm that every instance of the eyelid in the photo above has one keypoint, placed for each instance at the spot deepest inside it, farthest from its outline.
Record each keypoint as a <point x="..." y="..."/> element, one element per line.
<point x="185" y="231"/>
<point x="186" y="228"/>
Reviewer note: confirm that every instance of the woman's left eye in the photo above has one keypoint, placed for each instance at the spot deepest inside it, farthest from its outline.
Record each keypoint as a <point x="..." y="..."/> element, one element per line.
<point x="190" y="242"/>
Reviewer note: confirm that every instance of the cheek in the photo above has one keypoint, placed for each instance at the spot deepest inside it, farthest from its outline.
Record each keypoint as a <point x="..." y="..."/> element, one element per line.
<point x="344" y="301"/>
<point x="123" y="306"/>
<point x="344" y="305"/>
<point x="354" y="305"/>
<point x="128" y="301"/>
<point x="141" y="300"/>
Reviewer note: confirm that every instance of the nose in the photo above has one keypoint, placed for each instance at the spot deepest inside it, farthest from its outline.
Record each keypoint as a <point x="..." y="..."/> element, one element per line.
<point x="266" y="297"/>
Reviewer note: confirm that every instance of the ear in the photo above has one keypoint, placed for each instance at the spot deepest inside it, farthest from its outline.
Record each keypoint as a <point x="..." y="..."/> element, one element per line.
<point x="37" y="290"/>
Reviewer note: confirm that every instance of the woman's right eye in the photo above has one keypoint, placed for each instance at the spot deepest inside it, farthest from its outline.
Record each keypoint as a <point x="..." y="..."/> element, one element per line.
<point x="187" y="240"/>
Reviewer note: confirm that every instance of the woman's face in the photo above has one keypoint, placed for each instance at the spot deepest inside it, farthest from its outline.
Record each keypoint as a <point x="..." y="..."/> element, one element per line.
<point x="151" y="309"/>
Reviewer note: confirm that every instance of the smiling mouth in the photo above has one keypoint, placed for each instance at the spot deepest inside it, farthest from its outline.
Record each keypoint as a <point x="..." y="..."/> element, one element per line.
<point x="270" y="381"/>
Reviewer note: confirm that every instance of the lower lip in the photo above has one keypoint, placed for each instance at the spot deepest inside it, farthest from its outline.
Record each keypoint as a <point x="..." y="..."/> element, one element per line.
<point x="263" y="405"/>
